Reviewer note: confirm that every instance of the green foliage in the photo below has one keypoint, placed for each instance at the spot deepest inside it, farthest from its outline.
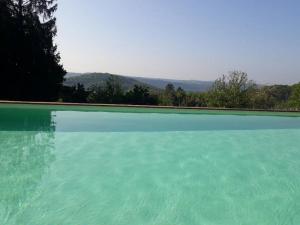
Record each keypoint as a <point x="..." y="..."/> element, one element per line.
<point x="270" y="97"/>
<point x="168" y="96"/>
<point x="197" y="99"/>
<point x="180" y="97"/>
<point x="231" y="91"/>
<point x="112" y="92"/>
<point x="234" y="91"/>
<point x="294" y="100"/>
<point x="140" y="95"/>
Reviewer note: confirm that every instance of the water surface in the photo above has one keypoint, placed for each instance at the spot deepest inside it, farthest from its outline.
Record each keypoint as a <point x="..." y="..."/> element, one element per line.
<point x="73" y="167"/>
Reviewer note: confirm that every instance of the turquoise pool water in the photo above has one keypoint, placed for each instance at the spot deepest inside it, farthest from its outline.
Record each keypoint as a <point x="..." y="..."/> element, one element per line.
<point x="108" y="166"/>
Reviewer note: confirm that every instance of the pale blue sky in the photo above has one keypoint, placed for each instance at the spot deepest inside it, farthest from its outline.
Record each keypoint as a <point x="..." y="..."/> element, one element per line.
<point x="182" y="39"/>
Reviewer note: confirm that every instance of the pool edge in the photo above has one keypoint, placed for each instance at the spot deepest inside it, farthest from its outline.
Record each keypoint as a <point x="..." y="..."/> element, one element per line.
<point x="149" y="108"/>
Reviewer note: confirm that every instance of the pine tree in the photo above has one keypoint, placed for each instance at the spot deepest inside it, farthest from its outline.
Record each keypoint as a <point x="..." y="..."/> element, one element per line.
<point x="30" y="66"/>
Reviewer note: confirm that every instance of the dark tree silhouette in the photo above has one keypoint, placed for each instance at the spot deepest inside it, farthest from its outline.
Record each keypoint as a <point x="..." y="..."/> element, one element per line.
<point x="113" y="90"/>
<point x="168" y="95"/>
<point x="140" y="95"/>
<point x="96" y="94"/>
<point x="180" y="99"/>
<point x="30" y="66"/>
<point x="111" y="93"/>
<point x="75" y="93"/>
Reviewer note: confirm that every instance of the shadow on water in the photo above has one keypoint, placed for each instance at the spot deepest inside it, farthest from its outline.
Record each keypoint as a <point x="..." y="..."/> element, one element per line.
<point x="25" y="156"/>
<point x="38" y="118"/>
<point x="26" y="119"/>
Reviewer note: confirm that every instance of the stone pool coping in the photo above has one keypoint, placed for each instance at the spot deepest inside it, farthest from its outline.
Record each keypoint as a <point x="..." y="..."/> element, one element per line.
<point x="146" y="106"/>
<point x="65" y="106"/>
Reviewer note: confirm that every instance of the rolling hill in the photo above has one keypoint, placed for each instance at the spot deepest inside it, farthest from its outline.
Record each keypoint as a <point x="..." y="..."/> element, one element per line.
<point x="89" y="79"/>
<point x="187" y="85"/>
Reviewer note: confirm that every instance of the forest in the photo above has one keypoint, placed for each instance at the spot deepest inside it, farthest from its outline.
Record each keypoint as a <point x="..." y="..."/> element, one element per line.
<point x="234" y="90"/>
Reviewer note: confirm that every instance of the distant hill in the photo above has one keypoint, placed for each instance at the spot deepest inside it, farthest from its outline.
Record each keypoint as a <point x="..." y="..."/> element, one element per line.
<point x="68" y="75"/>
<point x="89" y="79"/>
<point x="187" y="85"/>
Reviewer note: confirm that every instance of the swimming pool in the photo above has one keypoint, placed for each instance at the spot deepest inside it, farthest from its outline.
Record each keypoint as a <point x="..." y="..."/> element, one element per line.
<point x="113" y="166"/>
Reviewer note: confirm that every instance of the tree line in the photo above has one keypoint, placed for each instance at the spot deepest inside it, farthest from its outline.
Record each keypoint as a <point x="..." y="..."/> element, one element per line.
<point x="234" y="90"/>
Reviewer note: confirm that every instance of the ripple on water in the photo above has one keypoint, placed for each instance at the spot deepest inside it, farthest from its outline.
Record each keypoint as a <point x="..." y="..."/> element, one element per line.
<point x="190" y="177"/>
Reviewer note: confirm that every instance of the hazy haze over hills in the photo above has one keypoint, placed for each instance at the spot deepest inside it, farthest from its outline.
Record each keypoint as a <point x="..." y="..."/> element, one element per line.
<point x="90" y="79"/>
<point x="188" y="85"/>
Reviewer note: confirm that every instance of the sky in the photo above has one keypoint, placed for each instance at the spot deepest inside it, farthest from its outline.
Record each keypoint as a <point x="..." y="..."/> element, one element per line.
<point x="182" y="39"/>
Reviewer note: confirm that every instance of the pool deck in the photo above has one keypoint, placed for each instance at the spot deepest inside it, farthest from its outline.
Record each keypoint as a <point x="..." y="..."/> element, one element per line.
<point x="146" y="106"/>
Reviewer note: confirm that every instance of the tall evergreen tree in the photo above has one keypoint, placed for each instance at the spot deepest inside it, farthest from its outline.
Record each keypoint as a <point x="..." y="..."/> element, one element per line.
<point x="30" y="66"/>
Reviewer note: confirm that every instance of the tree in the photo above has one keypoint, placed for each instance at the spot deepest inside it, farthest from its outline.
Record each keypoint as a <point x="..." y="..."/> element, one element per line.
<point x="30" y="64"/>
<point x="294" y="100"/>
<point x="96" y="94"/>
<point x="113" y="92"/>
<point x="180" y="97"/>
<point x="231" y="91"/>
<point x="140" y="95"/>
<point x="270" y="97"/>
<point x="167" y="97"/>
<point x="197" y="99"/>
<point x="75" y="93"/>
<point x="217" y="93"/>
